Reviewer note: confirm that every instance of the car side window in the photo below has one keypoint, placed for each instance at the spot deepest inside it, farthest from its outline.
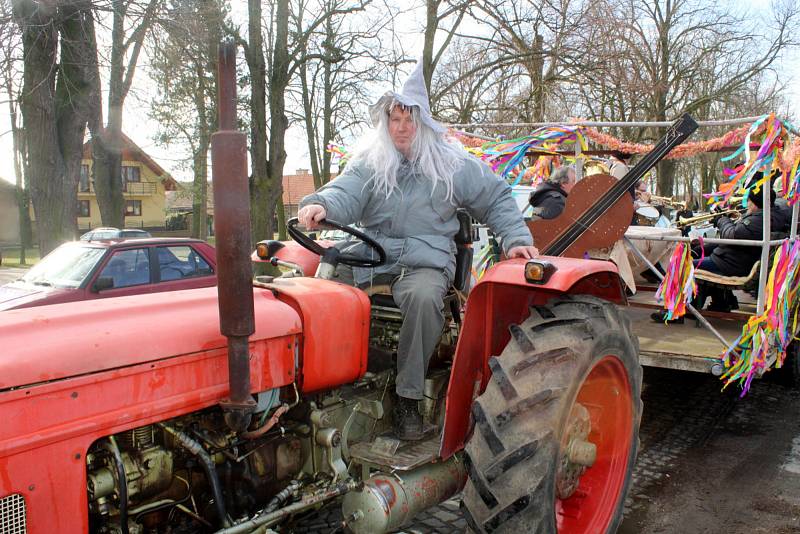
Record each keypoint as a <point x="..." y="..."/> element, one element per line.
<point x="178" y="262"/>
<point x="130" y="267"/>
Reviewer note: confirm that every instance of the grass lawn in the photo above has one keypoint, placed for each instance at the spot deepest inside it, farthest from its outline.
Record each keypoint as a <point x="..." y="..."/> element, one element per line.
<point x="11" y="257"/>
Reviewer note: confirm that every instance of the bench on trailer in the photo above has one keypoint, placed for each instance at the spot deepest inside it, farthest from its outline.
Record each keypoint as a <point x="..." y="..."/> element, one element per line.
<point x="721" y="287"/>
<point x="726" y="282"/>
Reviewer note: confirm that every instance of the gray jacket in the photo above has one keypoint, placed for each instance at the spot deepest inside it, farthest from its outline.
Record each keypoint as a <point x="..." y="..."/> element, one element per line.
<point x="416" y="224"/>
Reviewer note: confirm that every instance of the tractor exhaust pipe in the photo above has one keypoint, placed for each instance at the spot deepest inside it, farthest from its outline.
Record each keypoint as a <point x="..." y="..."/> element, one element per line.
<point x="232" y="229"/>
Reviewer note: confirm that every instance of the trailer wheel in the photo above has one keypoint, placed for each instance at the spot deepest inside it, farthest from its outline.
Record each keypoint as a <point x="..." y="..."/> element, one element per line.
<point x="557" y="429"/>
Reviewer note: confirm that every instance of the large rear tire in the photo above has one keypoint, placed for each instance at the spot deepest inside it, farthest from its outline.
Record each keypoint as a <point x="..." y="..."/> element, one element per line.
<point x="557" y="429"/>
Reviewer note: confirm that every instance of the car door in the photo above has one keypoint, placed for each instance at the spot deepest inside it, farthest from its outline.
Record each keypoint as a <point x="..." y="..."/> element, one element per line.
<point x="129" y="271"/>
<point x="181" y="266"/>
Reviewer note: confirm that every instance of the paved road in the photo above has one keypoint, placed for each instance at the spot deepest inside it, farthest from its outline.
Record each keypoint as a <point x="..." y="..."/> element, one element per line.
<point x="8" y="274"/>
<point x="716" y="463"/>
<point x="710" y="463"/>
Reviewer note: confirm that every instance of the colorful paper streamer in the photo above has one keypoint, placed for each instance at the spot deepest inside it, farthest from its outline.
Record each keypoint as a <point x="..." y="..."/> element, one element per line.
<point x="678" y="287"/>
<point x="771" y="331"/>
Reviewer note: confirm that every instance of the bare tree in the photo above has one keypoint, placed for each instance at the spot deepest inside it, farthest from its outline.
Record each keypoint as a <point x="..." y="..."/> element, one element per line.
<point x="56" y="103"/>
<point x="286" y="52"/>
<point x="107" y="143"/>
<point x="436" y="13"/>
<point x="668" y="56"/>
<point x="464" y="93"/>
<point x="184" y="63"/>
<point x="539" y="37"/>
<point x="11" y="76"/>
<point x="331" y="91"/>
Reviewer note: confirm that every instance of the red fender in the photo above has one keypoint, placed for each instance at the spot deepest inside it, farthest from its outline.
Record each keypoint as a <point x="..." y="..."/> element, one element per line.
<point x="501" y="298"/>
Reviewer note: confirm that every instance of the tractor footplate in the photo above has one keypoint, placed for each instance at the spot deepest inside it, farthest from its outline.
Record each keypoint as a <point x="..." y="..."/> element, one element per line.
<point x="389" y="452"/>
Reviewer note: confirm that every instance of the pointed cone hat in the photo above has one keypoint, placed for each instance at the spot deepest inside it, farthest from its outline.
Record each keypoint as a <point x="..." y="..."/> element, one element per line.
<point x="413" y="93"/>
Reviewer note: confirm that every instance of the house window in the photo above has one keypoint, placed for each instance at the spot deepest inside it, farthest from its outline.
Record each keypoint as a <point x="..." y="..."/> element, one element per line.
<point x="130" y="174"/>
<point x="83" y="186"/>
<point x="83" y="208"/>
<point x="133" y="208"/>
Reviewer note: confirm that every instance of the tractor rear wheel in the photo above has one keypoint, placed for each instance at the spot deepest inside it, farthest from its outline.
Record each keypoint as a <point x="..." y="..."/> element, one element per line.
<point x="557" y="429"/>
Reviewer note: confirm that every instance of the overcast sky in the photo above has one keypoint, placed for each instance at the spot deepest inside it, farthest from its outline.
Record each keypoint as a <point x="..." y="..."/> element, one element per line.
<point x="139" y="128"/>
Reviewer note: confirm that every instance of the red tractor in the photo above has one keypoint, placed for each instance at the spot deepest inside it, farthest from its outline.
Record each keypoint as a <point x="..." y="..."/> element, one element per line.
<point x="118" y="417"/>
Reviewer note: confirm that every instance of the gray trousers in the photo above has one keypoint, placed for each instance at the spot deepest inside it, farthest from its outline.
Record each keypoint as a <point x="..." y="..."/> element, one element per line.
<point x="419" y="293"/>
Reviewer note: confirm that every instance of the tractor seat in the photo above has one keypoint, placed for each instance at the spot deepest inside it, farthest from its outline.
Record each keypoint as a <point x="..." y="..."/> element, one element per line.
<point x="381" y="294"/>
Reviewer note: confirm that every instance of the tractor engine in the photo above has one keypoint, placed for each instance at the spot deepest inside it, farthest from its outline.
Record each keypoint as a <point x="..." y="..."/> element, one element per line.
<point x="193" y="474"/>
<point x="187" y="474"/>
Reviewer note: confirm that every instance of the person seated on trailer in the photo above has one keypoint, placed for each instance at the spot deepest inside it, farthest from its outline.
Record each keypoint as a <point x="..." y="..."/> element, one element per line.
<point x="641" y="194"/>
<point x="642" y="207"/>
<point x="550" y="197"/>
<point x="684" y="213"/>
<point x="782" y="217"/>
<point x="730" y="260"/>
<point x="403" y="187"/>
<point x="618" y="164"/>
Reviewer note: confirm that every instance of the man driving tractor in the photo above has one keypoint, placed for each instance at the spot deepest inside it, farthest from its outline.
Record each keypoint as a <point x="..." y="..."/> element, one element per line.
<point x="403" y="187"/>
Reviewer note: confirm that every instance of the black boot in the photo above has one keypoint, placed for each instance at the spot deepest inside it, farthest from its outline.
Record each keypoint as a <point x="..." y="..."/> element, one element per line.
<point x="661" y="317"/>
<point x="724" y="301"/>
<point x="407" y="420"/>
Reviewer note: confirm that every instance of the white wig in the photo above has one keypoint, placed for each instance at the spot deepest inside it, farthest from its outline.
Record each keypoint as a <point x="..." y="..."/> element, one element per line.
<point x="432" y="155"/>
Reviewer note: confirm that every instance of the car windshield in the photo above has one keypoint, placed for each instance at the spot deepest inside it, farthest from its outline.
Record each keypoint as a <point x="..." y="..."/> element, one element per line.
<point x="105" y="234"/>
<point x="334" y="235"/>
<point x="67" y="266"/>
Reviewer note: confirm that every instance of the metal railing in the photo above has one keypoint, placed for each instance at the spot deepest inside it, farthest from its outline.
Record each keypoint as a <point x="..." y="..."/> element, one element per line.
<point x="128" y="188"/>
<point x="139" y="188"/>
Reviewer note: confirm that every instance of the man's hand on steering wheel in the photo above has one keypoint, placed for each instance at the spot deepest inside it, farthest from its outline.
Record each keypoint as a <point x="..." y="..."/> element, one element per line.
<point x="332" y="255"/>
<point x="310" y="216"/>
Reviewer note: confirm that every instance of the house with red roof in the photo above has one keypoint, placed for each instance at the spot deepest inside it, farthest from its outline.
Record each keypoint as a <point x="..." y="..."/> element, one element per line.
<point x="144" y="186"/>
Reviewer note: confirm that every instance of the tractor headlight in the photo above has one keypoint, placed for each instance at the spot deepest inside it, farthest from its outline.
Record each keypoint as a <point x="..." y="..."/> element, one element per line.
<point x="538" y="271"/>
<point x="261" y="251"/>
<point x="266" y="249"/>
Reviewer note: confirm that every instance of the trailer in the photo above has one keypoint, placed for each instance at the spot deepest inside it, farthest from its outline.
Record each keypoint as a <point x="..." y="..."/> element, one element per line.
<point x="699" y="343"/>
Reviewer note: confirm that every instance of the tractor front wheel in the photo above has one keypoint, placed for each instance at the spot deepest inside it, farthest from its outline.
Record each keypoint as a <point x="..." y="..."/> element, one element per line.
<point x="557" y="429"/>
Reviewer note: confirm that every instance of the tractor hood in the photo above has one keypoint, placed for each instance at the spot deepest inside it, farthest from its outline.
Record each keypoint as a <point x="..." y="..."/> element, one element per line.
<point x="59" y="341"/>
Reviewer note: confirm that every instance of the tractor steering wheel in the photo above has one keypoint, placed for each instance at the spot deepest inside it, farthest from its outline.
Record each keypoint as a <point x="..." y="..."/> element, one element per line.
<point x="344" y="258"/>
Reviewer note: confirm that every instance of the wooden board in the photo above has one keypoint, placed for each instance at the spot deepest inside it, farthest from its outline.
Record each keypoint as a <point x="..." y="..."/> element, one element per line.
<point x="680" y="346"/>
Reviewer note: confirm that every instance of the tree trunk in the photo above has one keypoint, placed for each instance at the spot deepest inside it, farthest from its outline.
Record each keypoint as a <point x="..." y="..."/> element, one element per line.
<point x="262" y="203"/>
<point x="45" y="168"/>
<point x="107" y="176"/>
<point x="107" y="149"/>
<point x="107" y="144"/>
<point x="311" y="130"/>
<point x="200" y="192"/>
<point x="21" y="192"/>
<point x="431" y="25"/>
<point x="327" y="114"/>
<point x="537" y="79"/>
<point x="77" y="92"/>
<point x="200" y="187"/>
<point x="279" y="81"/>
